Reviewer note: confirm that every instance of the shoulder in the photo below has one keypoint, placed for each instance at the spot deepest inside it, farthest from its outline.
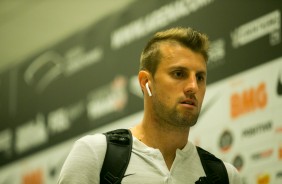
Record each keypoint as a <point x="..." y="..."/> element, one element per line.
<point x="90" y="146"/>
<point x="233" y="174"/>
<point x="84" y="161"/>
<point x="91" y="141"/>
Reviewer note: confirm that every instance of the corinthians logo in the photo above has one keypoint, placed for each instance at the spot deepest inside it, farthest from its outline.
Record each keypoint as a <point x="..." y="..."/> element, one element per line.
<point x="225" y="141"/>
<point x="238" y="162"/>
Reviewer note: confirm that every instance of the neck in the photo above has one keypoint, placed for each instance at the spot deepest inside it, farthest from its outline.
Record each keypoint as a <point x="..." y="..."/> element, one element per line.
<point x="166" y="138"/>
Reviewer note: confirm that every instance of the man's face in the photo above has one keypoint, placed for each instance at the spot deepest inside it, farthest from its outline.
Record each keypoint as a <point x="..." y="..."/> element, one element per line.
<point x="179" y="86"/>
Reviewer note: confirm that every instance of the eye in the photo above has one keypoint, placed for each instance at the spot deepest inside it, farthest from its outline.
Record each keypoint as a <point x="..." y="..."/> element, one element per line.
<point x="201" y="77"/>
<point x="178" y="74"/>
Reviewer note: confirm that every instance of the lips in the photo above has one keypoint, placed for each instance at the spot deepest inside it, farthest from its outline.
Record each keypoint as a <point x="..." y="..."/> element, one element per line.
<point x="189" y="102"/>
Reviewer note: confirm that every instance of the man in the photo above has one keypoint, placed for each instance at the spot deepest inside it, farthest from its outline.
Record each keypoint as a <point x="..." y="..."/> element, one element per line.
<point x="172" y="76"/>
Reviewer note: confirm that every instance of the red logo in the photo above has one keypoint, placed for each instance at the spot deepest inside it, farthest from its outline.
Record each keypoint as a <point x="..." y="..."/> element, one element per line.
<point x="248" y="100"/>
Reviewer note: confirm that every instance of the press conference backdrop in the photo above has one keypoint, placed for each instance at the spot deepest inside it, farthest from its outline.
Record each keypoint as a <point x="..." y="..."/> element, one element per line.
<point x="88" y="83"/>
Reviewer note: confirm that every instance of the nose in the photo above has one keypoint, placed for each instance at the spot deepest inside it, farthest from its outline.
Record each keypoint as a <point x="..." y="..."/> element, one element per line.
<point x="191" y="85"/>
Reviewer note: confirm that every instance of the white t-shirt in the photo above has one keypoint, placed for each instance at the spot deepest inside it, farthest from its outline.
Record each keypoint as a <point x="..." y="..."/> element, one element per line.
<point x="146" y="165"/>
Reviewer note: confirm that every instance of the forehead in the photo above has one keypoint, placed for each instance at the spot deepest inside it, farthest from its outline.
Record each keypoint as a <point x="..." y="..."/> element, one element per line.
<point x="174" y="54"/>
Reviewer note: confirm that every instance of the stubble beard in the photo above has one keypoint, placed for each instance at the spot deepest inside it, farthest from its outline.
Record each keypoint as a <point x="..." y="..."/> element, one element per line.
<point x="173" y="117"/>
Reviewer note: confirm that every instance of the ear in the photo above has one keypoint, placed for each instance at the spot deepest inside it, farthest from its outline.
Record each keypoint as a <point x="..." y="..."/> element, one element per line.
<point x="144" y="77"/>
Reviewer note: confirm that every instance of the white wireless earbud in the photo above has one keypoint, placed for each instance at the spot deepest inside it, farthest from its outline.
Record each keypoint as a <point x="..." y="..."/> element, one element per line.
<point x="148" y="89"/>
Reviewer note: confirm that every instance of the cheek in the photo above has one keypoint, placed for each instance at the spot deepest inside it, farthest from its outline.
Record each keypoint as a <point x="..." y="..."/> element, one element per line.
<point x="165" y="96"/>
<point x="201" y="96"/>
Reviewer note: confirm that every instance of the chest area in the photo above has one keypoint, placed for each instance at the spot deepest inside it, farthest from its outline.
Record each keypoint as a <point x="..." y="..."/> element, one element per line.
<point x="148" y="168"/>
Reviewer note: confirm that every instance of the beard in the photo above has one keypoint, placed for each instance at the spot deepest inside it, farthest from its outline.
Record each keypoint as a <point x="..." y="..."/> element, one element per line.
<point x="172" y="116"/>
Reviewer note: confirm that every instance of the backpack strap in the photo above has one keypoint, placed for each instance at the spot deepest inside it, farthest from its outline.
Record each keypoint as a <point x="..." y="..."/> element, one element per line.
<point x="119" y="146"/>
<point x="213" y="167"/>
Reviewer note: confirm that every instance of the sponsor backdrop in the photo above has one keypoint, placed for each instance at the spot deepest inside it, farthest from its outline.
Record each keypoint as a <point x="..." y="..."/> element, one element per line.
<point x="88" y="83"/>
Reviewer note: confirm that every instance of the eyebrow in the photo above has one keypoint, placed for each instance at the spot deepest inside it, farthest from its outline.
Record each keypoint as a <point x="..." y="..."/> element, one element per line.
<point x="203" y="72"/>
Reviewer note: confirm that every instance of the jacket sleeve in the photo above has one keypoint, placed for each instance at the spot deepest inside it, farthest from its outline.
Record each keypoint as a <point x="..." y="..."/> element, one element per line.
<point x="84" y="161"/>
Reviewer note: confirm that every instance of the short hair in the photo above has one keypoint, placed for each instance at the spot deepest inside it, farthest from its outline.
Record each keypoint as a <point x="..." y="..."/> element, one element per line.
<point x="187" y="37"/>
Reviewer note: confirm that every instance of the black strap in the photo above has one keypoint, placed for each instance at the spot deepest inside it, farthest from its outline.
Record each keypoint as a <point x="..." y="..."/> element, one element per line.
<point x="119" y="146"/>
<point x="213" y="167"/>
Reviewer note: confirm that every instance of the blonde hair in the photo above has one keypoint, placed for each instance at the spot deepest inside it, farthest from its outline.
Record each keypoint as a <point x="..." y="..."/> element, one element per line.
<point x="188" y="37"/>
